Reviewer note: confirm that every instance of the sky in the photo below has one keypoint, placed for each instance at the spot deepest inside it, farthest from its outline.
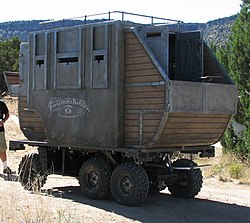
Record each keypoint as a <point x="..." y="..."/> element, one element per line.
<point x="184" y="10"/>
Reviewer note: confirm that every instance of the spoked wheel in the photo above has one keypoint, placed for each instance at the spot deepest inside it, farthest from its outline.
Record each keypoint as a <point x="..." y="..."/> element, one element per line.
<point x="129" y="184"/>
<point x="30" y="172"/>
<point x="94" y="178"/>
<point x="189" y="182"/>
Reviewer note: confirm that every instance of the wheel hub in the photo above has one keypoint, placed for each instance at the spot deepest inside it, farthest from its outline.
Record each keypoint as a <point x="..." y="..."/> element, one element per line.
<point x="126" y="184"/>
<point x="92" y="179"/>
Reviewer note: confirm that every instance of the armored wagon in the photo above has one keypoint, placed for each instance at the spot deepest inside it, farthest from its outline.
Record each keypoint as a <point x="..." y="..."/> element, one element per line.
<point x="111" y="102"/>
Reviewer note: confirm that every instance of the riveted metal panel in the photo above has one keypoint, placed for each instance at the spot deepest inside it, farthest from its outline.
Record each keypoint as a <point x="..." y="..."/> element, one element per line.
<point x="204" y="98"/>
<point x="79" y="109"/>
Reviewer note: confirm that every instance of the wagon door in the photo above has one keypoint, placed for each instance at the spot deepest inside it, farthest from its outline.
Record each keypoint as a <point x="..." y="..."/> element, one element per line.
<point x="188" y="51"/>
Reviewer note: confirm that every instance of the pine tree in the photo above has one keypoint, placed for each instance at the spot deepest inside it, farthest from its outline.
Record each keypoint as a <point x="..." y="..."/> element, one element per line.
<point x="239" y="69"/>
<point x="9" y="58"/>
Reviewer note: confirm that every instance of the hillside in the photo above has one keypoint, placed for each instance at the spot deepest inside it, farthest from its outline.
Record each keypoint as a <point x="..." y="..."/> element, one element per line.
<point x="22" y="29"/>
<point x="216" y="31"/>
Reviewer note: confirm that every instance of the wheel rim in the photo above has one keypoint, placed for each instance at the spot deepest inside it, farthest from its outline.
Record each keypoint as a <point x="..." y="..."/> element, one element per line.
<point x="92" y="179"/>
<point x="183" y="183"/>
<point x="125" y="185"/>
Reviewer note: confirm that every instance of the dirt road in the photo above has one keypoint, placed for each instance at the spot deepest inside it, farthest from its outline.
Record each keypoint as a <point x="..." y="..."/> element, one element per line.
<point x="217" y="202"/>
<point x="61" y="201"/>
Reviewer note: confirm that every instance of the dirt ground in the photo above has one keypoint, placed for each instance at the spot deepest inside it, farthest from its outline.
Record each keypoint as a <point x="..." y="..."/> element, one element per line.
<point x="61" y="201"/>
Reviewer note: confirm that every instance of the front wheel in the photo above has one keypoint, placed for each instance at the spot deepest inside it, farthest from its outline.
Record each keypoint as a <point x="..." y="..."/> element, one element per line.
<point x="189" y="182"/>
<point x="129" y="184"/>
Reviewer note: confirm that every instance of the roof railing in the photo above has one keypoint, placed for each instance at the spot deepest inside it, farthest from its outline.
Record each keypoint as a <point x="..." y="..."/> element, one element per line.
<point x="122" y="13"/>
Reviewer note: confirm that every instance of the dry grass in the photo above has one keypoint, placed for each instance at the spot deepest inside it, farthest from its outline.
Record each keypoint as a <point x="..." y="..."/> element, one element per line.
<point x="228" y="167"/>
<point x="20" y="206"/>
<point x="24" y="206"/>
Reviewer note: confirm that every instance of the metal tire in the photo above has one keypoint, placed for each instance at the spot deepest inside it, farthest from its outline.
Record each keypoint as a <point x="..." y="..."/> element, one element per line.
<point x="189" y="182"/>
<point x="129" y="184"/>
<point x="94" y="178"/>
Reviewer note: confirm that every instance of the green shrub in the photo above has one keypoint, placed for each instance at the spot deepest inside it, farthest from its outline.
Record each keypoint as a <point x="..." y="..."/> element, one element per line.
<point x="235" y="57"/>
<point x="236" y="170"/>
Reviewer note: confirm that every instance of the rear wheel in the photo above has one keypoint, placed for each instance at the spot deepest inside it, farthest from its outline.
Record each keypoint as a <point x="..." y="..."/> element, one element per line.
<point x="129" y="184"/>
<point x="30" y="172"/>
<point x="189" y="182"/>
<point x="94" y="178"/>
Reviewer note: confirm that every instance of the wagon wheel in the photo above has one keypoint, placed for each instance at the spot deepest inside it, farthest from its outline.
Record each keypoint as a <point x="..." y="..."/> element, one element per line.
<point x="129" y="184"/>
<point x="189" y="182"/>
<point x="94" y="178"/>
<point x="30" y="172"/>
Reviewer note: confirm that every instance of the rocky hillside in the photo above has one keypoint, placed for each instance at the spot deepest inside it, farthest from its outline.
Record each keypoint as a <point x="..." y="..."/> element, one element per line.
<point x="216" y="31"/>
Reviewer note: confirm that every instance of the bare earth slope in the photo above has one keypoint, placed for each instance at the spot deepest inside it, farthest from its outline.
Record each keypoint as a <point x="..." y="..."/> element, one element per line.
<point x="61" y="201"/>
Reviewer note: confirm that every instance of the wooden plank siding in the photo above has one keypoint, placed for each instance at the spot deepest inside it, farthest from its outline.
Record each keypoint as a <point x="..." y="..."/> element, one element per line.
<point x="192" y="129"/>
<point x="30" y="121"/>
<point x="12" y="78"/>
<point x="140" y="125"/>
